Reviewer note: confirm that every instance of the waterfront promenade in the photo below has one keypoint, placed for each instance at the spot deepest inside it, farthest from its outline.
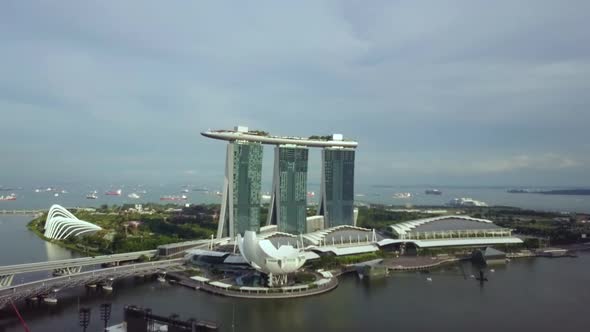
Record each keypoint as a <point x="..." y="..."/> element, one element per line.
<point x="417" y="263"/>
<point x="320" y="286"/>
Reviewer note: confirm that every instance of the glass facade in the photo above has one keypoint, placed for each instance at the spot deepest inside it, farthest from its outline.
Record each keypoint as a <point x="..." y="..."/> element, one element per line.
<point x="247" y="171"/>
<point x="337" y="202"/>
<point x="290" y="189"/>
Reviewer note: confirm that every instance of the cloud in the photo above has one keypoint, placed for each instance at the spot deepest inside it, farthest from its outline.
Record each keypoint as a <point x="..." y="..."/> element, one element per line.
<point x="122" y="89"/>
<point x="482" y="166"/>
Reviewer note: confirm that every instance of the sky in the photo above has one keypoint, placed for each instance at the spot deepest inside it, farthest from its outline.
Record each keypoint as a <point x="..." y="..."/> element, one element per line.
<point x="435" y="92"/>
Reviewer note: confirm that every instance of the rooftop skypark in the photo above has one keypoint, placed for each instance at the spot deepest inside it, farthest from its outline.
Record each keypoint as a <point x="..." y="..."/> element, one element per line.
<point x="243" y="134"/>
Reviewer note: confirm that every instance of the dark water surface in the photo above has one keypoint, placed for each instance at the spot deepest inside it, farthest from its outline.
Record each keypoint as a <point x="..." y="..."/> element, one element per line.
<point x="525" y="295"/>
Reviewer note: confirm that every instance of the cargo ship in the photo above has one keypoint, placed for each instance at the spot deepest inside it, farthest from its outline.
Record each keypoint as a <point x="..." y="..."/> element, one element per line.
<point x="91" y="196"/>
<point x="11" y="197"/>
<point x="433" y="192"/>
<point x="117" y="192"/>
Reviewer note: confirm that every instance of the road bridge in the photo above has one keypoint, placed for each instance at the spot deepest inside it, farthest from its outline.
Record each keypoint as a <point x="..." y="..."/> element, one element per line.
<point x="106" y="275"/>
<point x="68" y="266"/>
<point x="173" y="250"/>
<point x="22" y="212"/>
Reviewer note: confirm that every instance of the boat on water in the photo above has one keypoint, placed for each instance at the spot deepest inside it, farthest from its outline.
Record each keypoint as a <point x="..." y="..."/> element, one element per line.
<point x="117" y="192"/>
<point x="11" y="197"/>
<point x="174" y="198"/>
<point x="466" y="202"/>
<point x="50" y="300"/>
<point x="310" y="194"/>
<point x="433" y="192"/>
<point x="92" y="196"/>
<point x="184" y="190"/>
<point x="134" y="196"/>
<point x="402" y="195"/>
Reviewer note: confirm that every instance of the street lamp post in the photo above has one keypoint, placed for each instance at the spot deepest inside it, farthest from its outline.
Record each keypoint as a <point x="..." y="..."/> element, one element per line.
<point x="84" y="315"/>
<point x="105" y="313"/>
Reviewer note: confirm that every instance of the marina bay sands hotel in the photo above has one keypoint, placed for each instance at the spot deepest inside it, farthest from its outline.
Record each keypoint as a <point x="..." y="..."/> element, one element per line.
<point x="240" y="207"/>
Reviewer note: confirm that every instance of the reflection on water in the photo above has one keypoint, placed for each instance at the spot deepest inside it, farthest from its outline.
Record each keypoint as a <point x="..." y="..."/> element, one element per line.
<point x="55" y="252"/>
<point x="19" y="245"/>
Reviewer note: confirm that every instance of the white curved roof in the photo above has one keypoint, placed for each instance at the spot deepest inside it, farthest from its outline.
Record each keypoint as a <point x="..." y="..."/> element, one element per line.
<point x="230" y="135"/>
<point x="61" y="223"/>
<point x="262" y="255"/>
<point x="320" y="236"/>
<point x="454" y="242"/>
<point x="405" y="227"/>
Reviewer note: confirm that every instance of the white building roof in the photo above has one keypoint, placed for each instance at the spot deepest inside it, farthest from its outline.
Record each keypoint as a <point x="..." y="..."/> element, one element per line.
<point x="406" y="227"/>
<point x="319" y="236"/>
<point x="467" y="242"/>
<point x="202" y="252"/>
<point x="219" y="284"/>
<point x="235" y="259"/>
<point x="268" y="229"/>
<point x="453" y="242"/>
<point x="61" y="223"/>
<point x="201" y="279"/>
<point x="351" y="250"/>
<point x="322" y="282"/>
<point x="309" y="255"/>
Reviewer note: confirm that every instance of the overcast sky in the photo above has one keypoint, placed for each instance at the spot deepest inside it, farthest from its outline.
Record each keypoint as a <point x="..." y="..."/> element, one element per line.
<point x="436" y="92"/>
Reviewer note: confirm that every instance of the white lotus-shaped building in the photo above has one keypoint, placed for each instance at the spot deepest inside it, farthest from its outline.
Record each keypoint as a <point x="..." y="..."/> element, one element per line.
<point x="61" y="223"/>
<point x="266" y="258"/>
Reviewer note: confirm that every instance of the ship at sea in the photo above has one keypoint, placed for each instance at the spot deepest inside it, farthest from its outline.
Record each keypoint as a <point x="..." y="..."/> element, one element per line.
<point x="134" y="196"/>
<point x="433" y="192"/>
<point x="402" y="195"/>
<point x="174" y="198"/>
<point x="466" y="202"/>
<point x="11" y="197"/>
<point x="92" y="196"/>
<point x="117" y="192"/>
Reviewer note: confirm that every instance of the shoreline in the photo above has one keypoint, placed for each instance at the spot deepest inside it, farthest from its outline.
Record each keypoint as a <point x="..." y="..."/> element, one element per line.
<point x="74" y="248"/>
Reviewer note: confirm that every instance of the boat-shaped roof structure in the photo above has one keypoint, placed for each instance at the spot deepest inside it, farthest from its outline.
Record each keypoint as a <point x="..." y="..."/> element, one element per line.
<point x="243" y="134"/>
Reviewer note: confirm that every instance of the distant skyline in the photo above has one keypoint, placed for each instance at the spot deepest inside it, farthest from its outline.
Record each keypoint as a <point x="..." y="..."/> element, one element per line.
<point x="435" y="92"/>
